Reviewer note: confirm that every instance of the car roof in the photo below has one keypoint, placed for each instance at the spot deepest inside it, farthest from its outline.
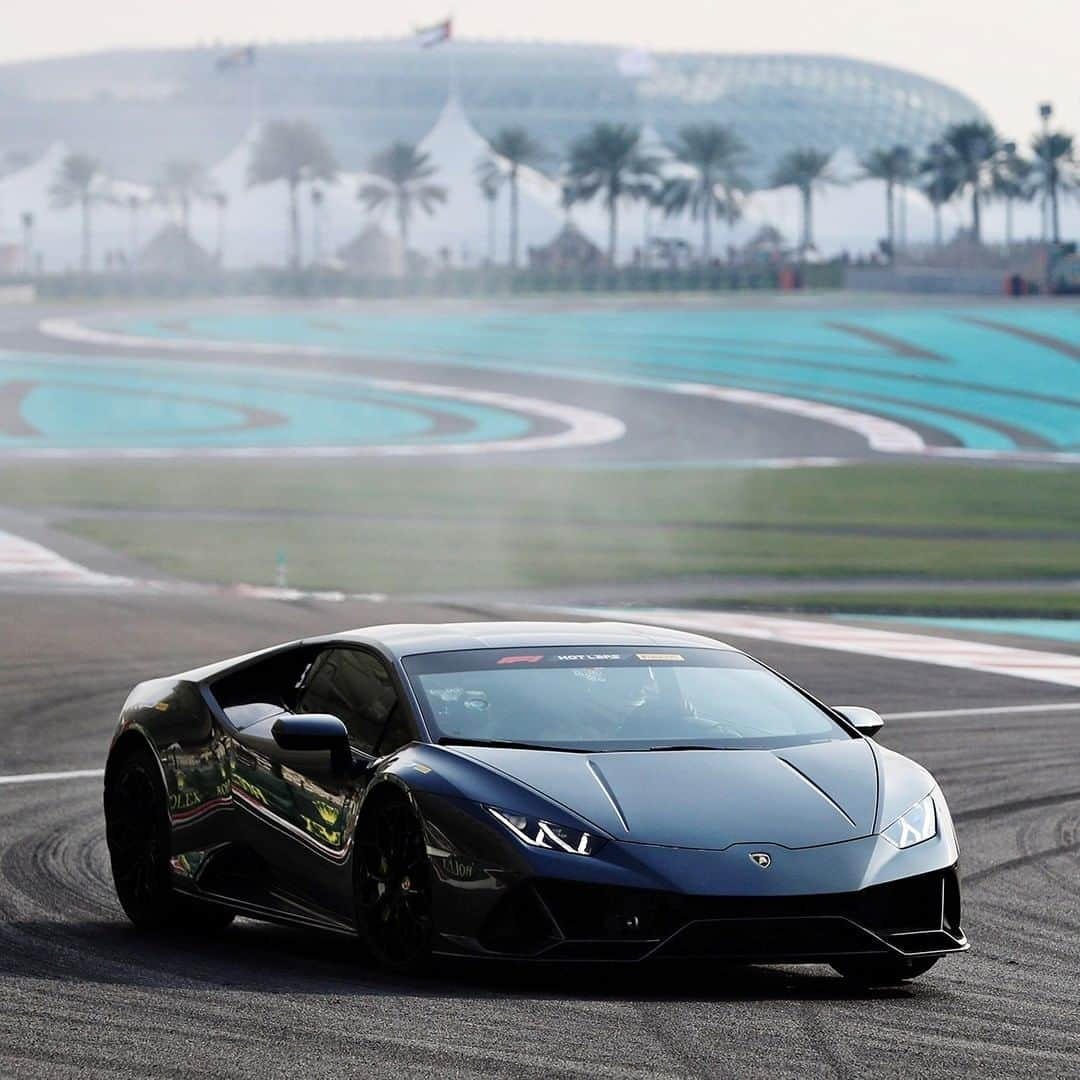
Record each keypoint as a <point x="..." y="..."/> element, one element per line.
<point x="398" y="640"/>
<point x="408" y="639"/>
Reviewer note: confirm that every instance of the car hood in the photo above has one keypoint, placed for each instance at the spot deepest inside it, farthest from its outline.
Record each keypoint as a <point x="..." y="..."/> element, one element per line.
<point x="799" y="796"/>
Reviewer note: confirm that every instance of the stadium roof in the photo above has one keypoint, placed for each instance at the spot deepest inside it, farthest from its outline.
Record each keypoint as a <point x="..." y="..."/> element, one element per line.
<point x="135" y="109"/>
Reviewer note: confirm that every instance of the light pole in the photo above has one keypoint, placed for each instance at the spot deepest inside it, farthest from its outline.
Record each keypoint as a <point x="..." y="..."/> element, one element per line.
<point x="317" y="199"/>
<point x="1010" y="176"/>
<point x="979" y="150"/>
<point x="904" y="160"/>
<point x="28" y="241"/>
<point x="937" y="186"/>
<point x="1046" y="110"/>
<point x="221" y="201"/>
<point x="134" y="205"/>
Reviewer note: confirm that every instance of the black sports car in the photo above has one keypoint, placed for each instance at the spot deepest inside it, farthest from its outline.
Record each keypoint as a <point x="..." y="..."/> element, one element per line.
<point x="531" y="790"/>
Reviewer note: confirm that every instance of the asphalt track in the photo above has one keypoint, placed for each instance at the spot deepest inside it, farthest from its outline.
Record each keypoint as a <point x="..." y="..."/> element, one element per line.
<point x="82" y="994"/>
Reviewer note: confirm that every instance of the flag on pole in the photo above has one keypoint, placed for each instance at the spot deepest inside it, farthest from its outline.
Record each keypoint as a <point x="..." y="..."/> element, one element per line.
<point x="242" y="57"/>
<point x="436" y="34"/>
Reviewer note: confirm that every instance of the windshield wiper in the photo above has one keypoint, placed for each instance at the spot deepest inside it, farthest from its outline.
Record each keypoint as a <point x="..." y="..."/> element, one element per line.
<point x="507" y="745"/>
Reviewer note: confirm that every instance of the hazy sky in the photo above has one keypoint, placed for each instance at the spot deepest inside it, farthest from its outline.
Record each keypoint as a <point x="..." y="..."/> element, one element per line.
<point x="1007" y="54"/>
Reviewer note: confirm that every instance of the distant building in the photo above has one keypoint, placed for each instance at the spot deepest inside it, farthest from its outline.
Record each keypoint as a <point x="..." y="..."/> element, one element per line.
<point x="137" y="108"/>
<point x="373" y="252"/>
<point x="10" y="258"/>
<point x="172" y="251"/>
<point x="569" y="249"/>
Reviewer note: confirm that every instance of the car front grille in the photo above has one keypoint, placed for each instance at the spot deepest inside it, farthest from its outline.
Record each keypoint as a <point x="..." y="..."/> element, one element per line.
<point x="572" y="920"/>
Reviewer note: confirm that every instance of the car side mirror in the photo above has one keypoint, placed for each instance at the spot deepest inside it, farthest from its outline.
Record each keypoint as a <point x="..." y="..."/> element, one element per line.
<point x="866" y="721"/>
<point x="315" y="731"/>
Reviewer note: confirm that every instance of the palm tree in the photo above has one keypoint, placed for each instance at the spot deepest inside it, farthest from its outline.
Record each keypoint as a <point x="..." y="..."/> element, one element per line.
<point x="608" y="161"/>
<point x="1012" y="182"/>
<point x="974" y="152"/>
<point x="516" y="147"/>
<point x="938" y="182"/>
<point x="894" y="166"/>
<point x="77" y="183"/>
<point x="293" y="151"/>
<point x="1057" y="170"/>
<point x="808" y="170"/>
<point x="489" y="178"/>
<point x="714" y="154"/>
<point x="404" y="179"/>
<point x="183" y="181"/>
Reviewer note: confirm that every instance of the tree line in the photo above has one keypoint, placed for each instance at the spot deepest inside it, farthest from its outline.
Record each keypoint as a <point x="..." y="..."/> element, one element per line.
<point x="703" y="174"/>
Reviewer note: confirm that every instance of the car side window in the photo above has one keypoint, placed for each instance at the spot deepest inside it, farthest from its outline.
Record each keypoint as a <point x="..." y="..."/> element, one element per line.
<point x="355" y="687"/>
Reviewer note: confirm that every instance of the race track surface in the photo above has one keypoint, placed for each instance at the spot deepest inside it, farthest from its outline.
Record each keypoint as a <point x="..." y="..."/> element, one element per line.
<point x="81" y="994"/>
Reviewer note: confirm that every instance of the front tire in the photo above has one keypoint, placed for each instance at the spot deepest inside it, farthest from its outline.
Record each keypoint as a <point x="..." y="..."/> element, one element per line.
<point x="393" y="886"/>
<point x="139" y="838"/>
<point x="884" y="971"/>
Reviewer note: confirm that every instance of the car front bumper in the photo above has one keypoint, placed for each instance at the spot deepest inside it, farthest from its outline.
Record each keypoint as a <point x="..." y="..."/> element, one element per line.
<point x="545" y="919"/>
<point x="633" y="901"/>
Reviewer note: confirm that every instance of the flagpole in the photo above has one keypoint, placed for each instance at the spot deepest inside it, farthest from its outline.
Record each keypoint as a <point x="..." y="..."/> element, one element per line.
<point x="452" y="59"/>
<point x="256" y="92"/>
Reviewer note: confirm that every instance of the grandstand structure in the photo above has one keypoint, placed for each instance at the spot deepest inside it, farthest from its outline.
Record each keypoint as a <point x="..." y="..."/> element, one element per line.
<point x="134" y="109"/>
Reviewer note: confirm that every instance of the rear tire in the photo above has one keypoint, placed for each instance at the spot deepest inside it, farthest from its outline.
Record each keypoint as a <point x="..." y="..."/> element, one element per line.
<point x="139" y="838"/>
<point x="393" y="887"/>
<point x="884" y="971"/>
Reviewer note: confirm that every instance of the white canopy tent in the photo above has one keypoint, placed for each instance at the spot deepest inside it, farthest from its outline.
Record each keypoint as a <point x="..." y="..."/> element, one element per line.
<point x="254" y="220"/>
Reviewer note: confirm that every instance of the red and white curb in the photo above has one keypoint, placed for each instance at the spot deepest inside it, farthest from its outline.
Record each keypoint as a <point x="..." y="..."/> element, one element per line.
<point x="1062" y="669"/>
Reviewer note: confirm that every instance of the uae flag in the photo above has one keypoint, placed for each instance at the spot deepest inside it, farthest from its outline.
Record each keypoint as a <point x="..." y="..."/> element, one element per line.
<point x="242" y="57"/>
<point x="436" y="34"/>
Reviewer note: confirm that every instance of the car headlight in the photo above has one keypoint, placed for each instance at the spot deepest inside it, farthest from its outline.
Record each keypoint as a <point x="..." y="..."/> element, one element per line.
<point x="546" y="834"/>
<point x="914" y="825"/>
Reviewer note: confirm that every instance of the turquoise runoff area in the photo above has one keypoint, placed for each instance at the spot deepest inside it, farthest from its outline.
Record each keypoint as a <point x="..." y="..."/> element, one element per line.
<point x="987" y="388"/>
<point x="1050" y="629"/>
<point x="123" y="404"/>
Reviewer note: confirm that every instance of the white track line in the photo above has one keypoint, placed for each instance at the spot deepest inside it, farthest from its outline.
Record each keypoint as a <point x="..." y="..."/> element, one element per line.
<point x="992" y="710"/>
<point x="583" y="427"/>
<point x="885" y="435"/>
<point x="71" y="774"/>
<point x="70" y="330"/>
<point x="1062" y="669"/>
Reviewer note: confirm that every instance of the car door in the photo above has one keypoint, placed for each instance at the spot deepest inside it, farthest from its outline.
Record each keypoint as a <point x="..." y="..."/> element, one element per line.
<point x="308" y="808"/>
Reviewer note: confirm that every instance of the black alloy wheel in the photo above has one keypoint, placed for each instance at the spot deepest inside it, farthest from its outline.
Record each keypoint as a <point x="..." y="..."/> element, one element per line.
<point x="137" y="833"/>
<point x="393" y="887"/>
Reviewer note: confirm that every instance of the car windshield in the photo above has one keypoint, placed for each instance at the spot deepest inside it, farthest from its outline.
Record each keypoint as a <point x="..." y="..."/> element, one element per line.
<point x="605" y="698"/>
